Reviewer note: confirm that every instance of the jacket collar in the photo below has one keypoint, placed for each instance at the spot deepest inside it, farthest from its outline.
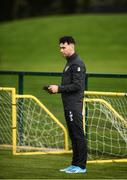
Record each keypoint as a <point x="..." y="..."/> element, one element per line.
<point x="72" y="57"/>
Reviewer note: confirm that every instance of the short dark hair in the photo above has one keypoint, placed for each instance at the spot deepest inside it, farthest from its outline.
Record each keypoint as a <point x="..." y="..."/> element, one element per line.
<point x="67" y="39"/>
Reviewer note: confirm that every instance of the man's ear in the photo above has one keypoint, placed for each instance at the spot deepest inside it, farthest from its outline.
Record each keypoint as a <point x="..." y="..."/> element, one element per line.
<point x="72" y="46"/>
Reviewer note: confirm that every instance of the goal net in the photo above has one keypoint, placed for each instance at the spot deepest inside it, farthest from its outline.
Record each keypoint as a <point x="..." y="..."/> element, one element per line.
<point x="106" y="124"/>
<point x="29" y="127"/>
<point x="5" y="118"/>
<point x="27" y="124"/>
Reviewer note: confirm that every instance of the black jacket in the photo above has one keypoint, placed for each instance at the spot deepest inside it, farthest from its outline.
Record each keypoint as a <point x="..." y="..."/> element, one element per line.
<point x="73" y="82"/>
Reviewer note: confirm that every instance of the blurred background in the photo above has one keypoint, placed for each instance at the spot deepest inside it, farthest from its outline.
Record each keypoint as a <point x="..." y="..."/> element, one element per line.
<point x="17" y="9"/>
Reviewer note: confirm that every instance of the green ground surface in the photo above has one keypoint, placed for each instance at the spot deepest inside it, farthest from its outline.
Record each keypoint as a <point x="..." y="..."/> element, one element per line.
<point x="47" y="167"/>
<point x="32" y="45"/>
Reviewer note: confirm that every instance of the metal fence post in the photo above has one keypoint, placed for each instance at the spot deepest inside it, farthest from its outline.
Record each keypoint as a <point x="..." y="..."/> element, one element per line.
<point x="20" y="82"/>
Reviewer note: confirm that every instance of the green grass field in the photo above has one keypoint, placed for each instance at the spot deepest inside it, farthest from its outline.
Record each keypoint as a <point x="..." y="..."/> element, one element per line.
<point x="32" y="45"/>
<point x="47" y="167"/>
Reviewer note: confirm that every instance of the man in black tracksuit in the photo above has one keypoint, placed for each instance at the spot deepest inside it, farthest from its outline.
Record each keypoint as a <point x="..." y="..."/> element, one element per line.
<point x="72" y="90"/>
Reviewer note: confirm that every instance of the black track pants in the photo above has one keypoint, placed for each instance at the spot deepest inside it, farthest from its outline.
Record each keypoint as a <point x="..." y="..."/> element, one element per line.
<point x="74" y="121"/>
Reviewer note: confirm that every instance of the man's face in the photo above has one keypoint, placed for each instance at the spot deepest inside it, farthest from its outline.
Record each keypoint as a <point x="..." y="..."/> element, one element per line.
<point x="66" y="49"/>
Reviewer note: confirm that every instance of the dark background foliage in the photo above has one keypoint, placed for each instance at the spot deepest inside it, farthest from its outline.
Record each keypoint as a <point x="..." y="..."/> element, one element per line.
<point x="16" y="9"/>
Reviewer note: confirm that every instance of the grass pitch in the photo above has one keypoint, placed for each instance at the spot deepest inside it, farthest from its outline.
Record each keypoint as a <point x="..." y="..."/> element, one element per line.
<point x="47" y="167"/>
<point x="32" y="44"/>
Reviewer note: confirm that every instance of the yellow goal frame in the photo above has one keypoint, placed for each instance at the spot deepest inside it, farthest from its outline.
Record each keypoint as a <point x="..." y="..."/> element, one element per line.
<point x="95" y="93"/>
<point x="66" y="148"/>
<point x="14" y="122"/>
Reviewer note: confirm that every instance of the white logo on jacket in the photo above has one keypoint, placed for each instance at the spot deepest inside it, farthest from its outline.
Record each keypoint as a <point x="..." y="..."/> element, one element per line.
<point x="78" y="69"/>
<point x="66" y="68"/>
<point x="71" y="116"/>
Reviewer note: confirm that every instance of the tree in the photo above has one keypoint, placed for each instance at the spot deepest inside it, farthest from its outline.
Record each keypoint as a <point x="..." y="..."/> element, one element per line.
<point x="69" y="6"/>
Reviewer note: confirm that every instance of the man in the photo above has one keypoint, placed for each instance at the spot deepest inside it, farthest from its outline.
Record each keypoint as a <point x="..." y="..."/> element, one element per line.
<point x="72" y="91"/>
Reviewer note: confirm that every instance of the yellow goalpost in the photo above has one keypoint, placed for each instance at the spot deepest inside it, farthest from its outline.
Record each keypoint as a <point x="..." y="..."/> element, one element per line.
<point x="106" y="126"/>
<point x="30" y="128"/>
<point x="35" y="130"/>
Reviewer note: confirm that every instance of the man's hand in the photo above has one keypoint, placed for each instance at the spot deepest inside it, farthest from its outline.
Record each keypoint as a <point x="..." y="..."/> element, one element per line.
<point x="53" y="89"/>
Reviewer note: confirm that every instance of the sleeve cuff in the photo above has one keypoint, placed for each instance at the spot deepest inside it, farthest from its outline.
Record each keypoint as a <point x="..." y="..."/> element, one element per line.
<point x="60" y="89"/>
